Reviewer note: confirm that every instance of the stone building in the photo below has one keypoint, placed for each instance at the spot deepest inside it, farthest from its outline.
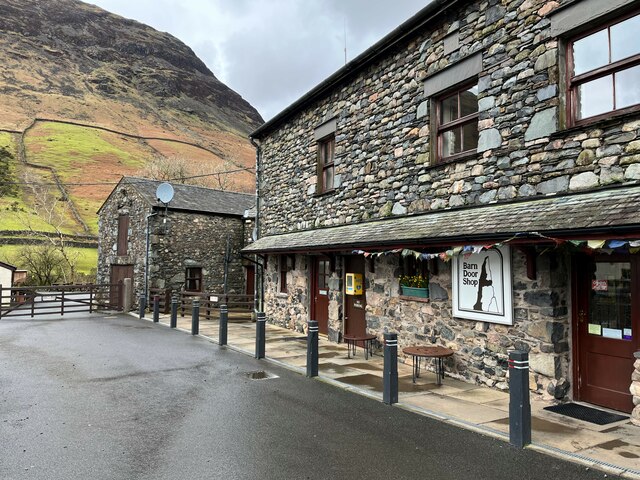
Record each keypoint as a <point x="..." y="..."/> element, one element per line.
<point x="483" y="147"/>
<point x="192" y="244"/>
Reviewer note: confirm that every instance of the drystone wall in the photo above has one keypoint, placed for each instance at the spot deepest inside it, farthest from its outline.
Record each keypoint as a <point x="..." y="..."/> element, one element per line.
<point x="383" y="162"/>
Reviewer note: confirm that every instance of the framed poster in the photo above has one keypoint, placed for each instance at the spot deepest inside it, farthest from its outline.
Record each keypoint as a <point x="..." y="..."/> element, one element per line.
<point x="482" y="286"/>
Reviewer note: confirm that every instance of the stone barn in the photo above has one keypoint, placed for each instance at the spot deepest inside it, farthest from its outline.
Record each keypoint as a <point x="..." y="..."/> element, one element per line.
<point x="191" y="244"/>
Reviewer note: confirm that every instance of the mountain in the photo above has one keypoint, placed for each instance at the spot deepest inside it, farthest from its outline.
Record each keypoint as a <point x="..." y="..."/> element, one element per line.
<point x="87" y="96"/>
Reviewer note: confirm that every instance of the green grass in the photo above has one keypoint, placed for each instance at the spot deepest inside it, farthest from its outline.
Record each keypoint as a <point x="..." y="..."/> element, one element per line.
<point x="87" y="261"/>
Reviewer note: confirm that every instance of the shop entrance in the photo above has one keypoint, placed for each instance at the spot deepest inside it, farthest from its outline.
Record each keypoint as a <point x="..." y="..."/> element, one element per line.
<point x="606" y="321"/>
<point x="320" y="273"/>
<point x="354" y="312"/>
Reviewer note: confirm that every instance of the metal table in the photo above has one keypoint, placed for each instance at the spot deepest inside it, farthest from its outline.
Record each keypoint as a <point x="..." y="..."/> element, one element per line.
<point x="352" y="341"/>
<point x="436" y="352"/>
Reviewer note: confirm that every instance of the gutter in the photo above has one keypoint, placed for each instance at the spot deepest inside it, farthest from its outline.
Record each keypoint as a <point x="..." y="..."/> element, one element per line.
<point x="259" y="275"/>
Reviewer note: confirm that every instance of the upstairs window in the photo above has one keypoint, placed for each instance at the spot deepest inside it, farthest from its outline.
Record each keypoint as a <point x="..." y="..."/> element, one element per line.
<point x="326" y="157"/>
<point x="457" y="124"/>
<point x="193" y="279"/>
<point x="123" y="235"/>
<point x="604" y="71"/>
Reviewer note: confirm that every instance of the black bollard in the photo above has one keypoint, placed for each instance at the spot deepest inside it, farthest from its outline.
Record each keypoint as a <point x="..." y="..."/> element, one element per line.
<point x="519" y="405"/>
<point x="261" y="320"/>
<point x="390" y="372"/>
<point x="174" y="311"/>
<point x="156" y="309"/>
<point x="312" y="349"/>
<point x="143" y="305"/>
<point x="195" y="317"/>
<point x="224" y="319"/>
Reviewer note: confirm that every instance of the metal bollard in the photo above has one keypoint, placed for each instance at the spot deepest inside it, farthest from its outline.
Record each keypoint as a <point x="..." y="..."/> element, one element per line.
<point x="312" y="349"/>
<point x="174" y="312"/>
<point x="390" y="372"/>
<point x="156" y="309"/>
<point x="195" y="317"/>
<point x="224" y="319"/>
<point x="519" y="405"/>
<point x="261" y="320"/>
<point x="143" y="305"/>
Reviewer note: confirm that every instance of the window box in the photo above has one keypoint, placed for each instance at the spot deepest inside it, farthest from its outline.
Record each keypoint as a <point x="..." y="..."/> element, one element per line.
<point x="415" y="292"/>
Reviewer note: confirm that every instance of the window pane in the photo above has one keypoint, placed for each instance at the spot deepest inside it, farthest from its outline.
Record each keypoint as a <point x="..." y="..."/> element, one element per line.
<point x="628" y="87"/>
<point x="469" y="101"/>
<point x="449" y="109"/>
<point x="624" y="39"/>
<point x="595" y="97"/>
<point x="591" y="52"/>
<point x="451" y="142"/>
<point x="470" y="136"/>
<point x="610" y="301"/>
<point x="327" y="178"/>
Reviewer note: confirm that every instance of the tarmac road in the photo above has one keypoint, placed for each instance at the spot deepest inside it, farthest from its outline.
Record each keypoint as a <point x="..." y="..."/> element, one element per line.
<point x="113" y="397"/>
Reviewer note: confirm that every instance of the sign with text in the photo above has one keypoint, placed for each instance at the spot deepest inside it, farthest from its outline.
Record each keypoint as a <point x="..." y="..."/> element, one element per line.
<point x="482" y="286"/>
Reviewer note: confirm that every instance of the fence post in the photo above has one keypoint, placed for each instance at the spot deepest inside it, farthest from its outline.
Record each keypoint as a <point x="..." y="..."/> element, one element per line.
<point x="156" y="308"/>
<point x="62" y="302"/>
<point x="195" y="317"/>
<point x="519" y="406"/>
<point x="261" y="320"/>
<point x="312" y="348"/>
<point x="390" y="372"/>
<point x="143" y="305"/>
<point x="223" y="327"/>
<point x="174" y="311"/>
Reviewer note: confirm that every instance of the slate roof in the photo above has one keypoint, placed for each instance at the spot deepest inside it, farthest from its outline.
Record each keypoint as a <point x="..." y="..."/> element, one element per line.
<point x="603" y="212"/>
<point x="195" y="199"/>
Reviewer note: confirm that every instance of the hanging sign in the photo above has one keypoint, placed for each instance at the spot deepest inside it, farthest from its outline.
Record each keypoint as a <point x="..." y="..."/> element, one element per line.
<point x="482" y="286"/>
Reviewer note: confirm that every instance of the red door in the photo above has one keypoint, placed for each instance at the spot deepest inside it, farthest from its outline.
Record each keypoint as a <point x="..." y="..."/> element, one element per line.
<point x="607" y="322"/>
<point x="354" y="312"/>
<point x="320" y="273"/>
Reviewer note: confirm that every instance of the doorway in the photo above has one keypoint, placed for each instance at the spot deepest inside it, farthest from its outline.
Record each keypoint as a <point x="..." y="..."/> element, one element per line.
<point x="320" y="273"/>
<point x="355" y="322"/>
<point x="118" y="274"/>
<point x="606" y="324"/>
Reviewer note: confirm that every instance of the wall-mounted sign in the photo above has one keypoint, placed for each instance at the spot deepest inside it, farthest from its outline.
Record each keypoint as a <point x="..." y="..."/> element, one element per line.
<point x="482" y="286"/>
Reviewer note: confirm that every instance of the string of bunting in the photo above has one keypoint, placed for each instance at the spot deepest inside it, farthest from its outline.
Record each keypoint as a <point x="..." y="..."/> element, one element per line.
<point x="605" y="246"/>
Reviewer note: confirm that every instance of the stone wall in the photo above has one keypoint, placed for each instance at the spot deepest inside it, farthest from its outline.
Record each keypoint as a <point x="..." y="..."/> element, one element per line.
<point x="540" y="324"/>
<point x="291" y="309"/>
<point x="635" y="391"/>
<point x="196" y="240"/>
<point x="383" y="135"/>
<point x="124" y="201"/>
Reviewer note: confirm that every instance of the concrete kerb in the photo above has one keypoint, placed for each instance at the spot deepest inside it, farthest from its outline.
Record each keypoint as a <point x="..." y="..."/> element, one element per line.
<point x="588" y="462"/>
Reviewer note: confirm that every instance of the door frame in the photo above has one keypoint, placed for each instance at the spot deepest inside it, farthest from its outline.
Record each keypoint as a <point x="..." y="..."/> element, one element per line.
<point x="579" y="268"/>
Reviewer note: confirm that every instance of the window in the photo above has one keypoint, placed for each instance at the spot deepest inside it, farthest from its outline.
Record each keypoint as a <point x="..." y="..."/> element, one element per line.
<point x="123" y="235"/>
<point x="457" y="123"/>
<point x="604" y="71"/>
<point x="283" y="273"/>
<point x="193" y="279"/>
<point x="326" y="155"/>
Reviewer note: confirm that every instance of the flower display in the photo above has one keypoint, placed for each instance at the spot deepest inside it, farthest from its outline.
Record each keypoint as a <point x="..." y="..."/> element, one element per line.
<point x="414" y="281"/>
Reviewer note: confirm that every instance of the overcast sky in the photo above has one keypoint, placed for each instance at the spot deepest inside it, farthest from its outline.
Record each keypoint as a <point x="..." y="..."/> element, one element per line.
<point x="271" y="51"/>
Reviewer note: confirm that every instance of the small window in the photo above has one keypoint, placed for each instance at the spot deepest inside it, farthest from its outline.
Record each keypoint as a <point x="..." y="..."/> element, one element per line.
<point x="604" y="71"/>
<point x="326" y="156"/>
<point x="123" y="234"/>
<point x="457" y="123"/>
<point x="283" y="273"/>
<point x="193" y="279"/>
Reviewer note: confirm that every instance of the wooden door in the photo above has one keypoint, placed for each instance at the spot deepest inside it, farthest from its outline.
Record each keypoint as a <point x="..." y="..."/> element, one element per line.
<point x="354" y="305"/>
<point x="118" y="274"/>
<point x="320" y="273"/>
<point x="251" y="277"/>
<point x="606" y="320"/>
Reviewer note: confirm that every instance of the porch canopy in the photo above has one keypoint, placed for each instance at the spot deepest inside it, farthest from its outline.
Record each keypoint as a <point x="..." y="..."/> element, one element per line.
<point x="604" y="213"/>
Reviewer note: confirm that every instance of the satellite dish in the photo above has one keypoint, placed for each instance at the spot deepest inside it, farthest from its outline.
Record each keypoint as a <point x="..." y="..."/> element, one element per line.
<point x="164" y="192"/>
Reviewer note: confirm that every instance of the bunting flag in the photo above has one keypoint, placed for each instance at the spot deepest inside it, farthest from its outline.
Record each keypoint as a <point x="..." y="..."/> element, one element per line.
<point x="603" y="246"/>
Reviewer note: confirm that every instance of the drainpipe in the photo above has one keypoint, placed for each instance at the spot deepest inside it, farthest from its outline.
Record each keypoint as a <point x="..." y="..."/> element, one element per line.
<point x="259" y="275"/>
<point x="146" y="259"/>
